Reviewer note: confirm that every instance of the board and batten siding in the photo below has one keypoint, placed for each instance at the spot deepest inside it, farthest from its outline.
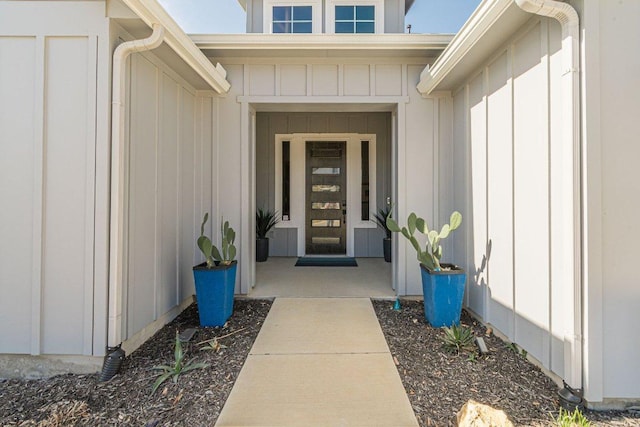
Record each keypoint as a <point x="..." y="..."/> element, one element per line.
<point x="52" y="127"/>
<point x="506" y="160"/>
<point x="169" y="155"/>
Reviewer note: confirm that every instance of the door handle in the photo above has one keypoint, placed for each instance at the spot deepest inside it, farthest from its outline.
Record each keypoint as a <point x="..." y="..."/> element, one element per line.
<point x="344" y="211"/>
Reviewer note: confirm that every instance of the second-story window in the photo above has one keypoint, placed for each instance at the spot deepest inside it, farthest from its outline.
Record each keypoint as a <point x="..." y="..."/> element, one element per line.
<point x="292" y="19"/>
<point x="355" y="19"/>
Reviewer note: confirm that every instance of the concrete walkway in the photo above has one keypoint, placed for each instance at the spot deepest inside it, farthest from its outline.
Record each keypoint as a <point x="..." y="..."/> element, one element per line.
<point x="319" y="362"/>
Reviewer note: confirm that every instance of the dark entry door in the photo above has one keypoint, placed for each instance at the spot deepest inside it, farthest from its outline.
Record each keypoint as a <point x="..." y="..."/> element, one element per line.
<point x="326" y="189"/>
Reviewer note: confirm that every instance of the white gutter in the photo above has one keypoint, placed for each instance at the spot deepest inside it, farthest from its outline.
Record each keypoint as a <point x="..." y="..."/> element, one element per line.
<point x="151" y="12"/>
<point x="116" y="248"/>
<point x="572" y="188"/>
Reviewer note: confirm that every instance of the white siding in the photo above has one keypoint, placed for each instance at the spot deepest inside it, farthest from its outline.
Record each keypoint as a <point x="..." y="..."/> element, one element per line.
<point x="50" y="120"/>
<point x="169" y="146"/>
<point x="611" y="128"/>
<point x="505" y="163"/>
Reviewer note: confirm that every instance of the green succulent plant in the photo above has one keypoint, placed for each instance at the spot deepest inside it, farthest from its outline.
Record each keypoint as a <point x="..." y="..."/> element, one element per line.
<point x="432" y="252"/>
<point x="458" y="339"/>
<point x="265" y="221"/>
<point x="178" y="368"/>
<point x="227" y="253"/>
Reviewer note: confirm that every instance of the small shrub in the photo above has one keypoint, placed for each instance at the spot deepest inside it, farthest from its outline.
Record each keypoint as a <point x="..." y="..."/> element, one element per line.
<point x="572" y="419"/>
<point x="178" y="367"/>
<point x="458" y="339"/>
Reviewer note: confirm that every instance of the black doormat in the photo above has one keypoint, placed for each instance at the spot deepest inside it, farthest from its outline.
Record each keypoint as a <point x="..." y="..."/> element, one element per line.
<point x="326" y="262"/>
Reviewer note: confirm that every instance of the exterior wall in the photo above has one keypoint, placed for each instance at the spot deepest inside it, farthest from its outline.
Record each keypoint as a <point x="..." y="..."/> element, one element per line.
<point x="367" y="240"/>
<point x="611" y="67"/>
<point x="54" y="118"/>
<point x="393" y="16"/>
<point x="507" y="165"/>
<point x="168" y="154"/>
<point x="329" y="85"/>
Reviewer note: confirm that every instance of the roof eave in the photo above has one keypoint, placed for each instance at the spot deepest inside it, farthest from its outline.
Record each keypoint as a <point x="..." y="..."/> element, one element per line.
<point x="150" y="12"/>
<point x="483" y="19"/>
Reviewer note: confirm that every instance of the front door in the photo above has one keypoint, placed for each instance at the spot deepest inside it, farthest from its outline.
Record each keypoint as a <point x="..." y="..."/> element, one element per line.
<point x="326" y="195"/>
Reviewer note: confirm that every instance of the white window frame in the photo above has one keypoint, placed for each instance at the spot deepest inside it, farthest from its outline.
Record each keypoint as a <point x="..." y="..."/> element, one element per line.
<point x="330" y="13"/>
<point x="297" y="190"/>
<point x="316" y="13"/>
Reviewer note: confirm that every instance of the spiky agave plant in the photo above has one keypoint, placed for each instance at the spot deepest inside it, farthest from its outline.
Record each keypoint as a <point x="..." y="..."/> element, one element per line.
<point x="432" y="252"/>
<point x="178" y="368"/>
<point x="458" y="339"/>
<point x="265" y="221"/>
<point x="211" y="253"/>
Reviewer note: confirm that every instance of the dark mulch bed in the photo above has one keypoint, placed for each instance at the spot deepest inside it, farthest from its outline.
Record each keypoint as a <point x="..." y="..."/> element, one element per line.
<point x="439" y="383"/>
<point x="126" y="400"/>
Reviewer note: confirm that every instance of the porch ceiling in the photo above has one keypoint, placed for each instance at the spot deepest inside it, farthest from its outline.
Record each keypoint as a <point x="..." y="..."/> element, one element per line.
<point x="324" y="107"/>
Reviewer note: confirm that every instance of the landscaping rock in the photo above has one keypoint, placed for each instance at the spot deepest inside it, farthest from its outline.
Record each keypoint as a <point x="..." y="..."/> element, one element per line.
<point x="474" y="414"/>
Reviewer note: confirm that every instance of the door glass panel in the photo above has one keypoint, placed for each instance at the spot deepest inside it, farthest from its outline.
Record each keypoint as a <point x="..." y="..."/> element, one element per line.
<point x="326" y="152"/>
<point x="326" y="240"/>
<point x="323" y="188"/>
<point x="333" y="223"/>
<point x="325" y="171"/>
<point x="325" y="205"/>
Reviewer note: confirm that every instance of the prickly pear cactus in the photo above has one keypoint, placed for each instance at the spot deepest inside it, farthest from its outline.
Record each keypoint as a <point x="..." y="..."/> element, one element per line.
<point x="211" y="253"/>
<point x="432" y="252"/>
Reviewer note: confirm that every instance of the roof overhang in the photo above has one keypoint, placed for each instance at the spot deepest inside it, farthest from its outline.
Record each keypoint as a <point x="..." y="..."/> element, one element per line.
<point x="193" y="64"/>
<point x="493" y="22"/>
<point x="314" y="45"/>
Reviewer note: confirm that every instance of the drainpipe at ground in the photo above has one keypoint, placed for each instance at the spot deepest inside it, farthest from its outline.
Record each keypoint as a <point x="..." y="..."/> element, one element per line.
<point x="568" y="18"/>
<point x="116" y="244"/>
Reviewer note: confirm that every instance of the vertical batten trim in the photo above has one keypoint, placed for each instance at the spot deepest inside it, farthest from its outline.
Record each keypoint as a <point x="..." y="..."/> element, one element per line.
<point x="467" y="179"/>
<point x="179" y="216"/>
<point x="485" y="98"/>
<point x="401" y="200"/>
<point x="309" y="82"/>
<point x="245" y="204"/>
<point x="435" y="161"/>
<point x="89" y="273"/>
<point x="511" y="77"/>
<point x="39" y="142"/>
<point x="372" y="79"/>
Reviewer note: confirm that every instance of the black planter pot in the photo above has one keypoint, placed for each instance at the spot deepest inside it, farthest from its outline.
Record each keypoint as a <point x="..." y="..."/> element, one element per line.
<point x="262" y="249"/>
<point x="386" y="246"/>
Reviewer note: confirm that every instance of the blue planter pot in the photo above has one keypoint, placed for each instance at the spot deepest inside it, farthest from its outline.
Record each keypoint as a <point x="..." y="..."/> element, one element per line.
<point x="443" y="293"/>
<point x="214" y="292"/>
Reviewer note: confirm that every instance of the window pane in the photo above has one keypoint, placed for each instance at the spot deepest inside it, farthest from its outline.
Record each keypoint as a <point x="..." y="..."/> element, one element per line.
<point x="364" y="154"/>
<point x="282" y="13"/>
<point x="365" y="27"/>
<point x="281" y="27"/>
<point x="325" y="205"/>
<point x="365" y="13"/>
<point x="344" y="13"/>
<point x="302" y="27"/>
<point x="344" y="27"/>
<point x="325" y="171"/>
<point x="322" y="188"/>
<point x="325" y="223"/>
<point x="302" y="13"/>
<point x="326" y="240"/>
<point x="286" y="177"/>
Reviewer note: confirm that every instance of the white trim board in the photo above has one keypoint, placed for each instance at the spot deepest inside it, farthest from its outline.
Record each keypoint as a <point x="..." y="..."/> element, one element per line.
<point x="297" y="178"/>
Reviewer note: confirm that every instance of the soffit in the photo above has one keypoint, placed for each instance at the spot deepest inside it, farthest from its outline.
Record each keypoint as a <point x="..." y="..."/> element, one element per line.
<point x="485" y="32"/>
<point x="321" y="45"/>
<point x="177" y="49"/>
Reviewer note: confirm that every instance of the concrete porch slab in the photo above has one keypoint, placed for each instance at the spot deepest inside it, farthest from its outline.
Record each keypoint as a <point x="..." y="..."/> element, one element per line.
<point x="320" y="325"/>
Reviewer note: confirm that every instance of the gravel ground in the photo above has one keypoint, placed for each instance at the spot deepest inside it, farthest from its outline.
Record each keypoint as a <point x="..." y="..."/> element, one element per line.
<point x="126" y="400"/>
<point x="439" y="383"/>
